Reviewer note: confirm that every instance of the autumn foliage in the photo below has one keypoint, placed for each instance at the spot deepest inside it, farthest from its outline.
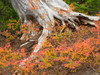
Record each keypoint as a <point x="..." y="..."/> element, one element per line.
<point x="68" y="50"/>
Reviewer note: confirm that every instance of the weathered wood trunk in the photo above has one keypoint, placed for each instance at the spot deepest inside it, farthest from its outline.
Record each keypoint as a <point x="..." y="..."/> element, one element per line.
<point x="44" y="12"/>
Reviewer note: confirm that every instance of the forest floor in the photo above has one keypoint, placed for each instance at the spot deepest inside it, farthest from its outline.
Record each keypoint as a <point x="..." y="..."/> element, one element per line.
<point x="57" y="70"/>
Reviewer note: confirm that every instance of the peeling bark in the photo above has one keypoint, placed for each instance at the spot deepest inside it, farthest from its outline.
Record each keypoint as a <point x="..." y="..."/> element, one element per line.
<point x="44" y="12"/>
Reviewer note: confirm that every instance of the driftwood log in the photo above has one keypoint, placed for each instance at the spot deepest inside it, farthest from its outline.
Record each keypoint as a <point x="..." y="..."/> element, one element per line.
<point x="44" y="13"/>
